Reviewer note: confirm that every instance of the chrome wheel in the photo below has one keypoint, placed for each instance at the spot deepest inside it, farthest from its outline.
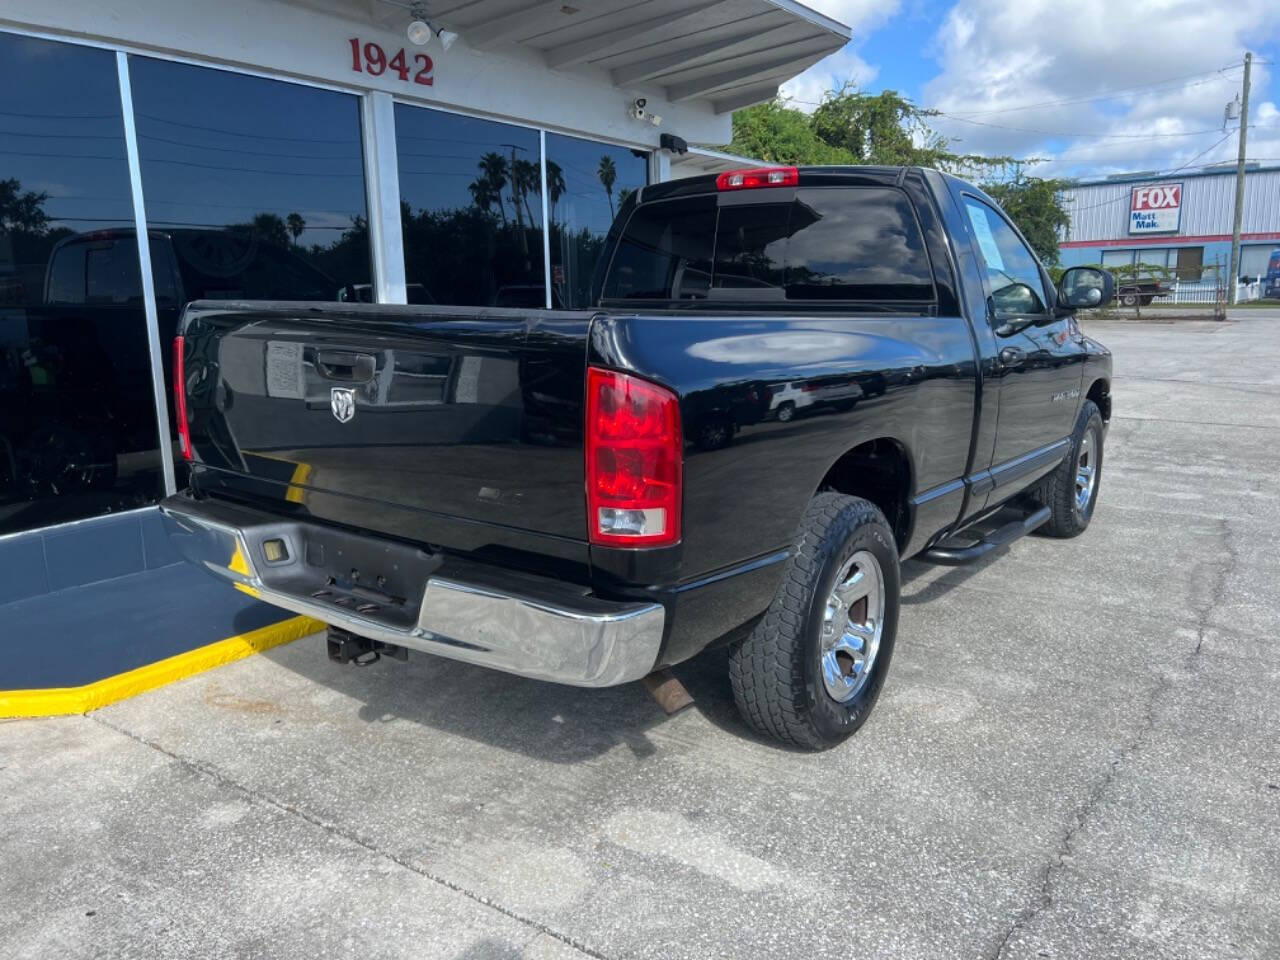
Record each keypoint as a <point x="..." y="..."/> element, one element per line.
<point x="1087" y="469"/>
<point x="851" y="627"/>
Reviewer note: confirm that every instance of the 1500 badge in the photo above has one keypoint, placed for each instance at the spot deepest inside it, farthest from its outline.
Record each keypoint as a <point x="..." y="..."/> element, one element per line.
<point x="1065" y="395"/>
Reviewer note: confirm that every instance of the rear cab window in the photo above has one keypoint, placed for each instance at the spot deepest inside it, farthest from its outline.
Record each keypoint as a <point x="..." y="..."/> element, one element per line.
<point x="837" y="244"/>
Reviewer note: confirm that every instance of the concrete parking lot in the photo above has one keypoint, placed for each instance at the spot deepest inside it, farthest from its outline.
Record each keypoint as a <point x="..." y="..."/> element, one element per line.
<point x="1076" y="755"/>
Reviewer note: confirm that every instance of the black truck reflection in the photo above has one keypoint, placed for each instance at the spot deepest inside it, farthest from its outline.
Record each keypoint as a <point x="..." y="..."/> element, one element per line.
<point x="76" y="395"/>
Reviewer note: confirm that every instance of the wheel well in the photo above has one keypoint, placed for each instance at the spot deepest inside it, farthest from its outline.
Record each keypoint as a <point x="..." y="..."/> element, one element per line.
<point x="880" y="471"/>
<point x="1100" y="394"/>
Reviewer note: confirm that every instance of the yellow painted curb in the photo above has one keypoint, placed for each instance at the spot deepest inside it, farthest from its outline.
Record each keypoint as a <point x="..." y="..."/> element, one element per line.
<point x="62" y="700"/>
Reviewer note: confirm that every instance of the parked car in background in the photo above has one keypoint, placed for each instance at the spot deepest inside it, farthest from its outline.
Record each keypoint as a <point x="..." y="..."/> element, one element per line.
<point x="1140" y="290"/>
<point x="540" y="491"/>
<point x="830" y="392"/>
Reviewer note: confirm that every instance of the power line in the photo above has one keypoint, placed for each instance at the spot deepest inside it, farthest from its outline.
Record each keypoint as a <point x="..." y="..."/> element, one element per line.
<point x="1211" y="77"/>
<point x="1168" y="173"/>
<point x="1094" y="136"/>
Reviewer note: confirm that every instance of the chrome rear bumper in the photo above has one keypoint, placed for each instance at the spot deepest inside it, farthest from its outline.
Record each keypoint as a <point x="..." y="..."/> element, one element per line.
<point x="532" y="626"/>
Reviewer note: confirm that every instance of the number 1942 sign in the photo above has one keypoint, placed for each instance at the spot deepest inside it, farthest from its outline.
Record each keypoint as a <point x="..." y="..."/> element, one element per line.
<point x="370" y="58"/>
<point x="1156" y="208"/>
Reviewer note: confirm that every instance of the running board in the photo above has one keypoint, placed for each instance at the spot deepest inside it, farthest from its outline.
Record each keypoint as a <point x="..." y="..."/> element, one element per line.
<point x="955" y="556"/>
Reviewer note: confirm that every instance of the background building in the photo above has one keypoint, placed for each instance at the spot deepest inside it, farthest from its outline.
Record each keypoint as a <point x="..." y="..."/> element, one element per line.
<point x="295" y="150"/>
<point x="1181" y="222"/>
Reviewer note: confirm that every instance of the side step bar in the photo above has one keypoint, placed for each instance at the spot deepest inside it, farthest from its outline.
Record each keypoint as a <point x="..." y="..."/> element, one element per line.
<point x="955" y="556"/>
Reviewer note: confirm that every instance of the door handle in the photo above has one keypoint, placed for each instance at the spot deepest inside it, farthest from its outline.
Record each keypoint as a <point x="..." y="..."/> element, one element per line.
<point x="342" y="365"/>
<point x="1012" y="356"/>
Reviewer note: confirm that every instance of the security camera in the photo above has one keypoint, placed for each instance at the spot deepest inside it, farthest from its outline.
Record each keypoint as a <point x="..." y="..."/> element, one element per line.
<point x="638" y="112"/>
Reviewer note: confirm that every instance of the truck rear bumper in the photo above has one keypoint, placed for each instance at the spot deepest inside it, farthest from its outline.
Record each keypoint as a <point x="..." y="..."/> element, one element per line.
<point x="396" y="593"/>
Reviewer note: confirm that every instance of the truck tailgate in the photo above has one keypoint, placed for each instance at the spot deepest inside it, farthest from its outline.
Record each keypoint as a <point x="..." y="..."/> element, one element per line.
<point x="462" y="429"/>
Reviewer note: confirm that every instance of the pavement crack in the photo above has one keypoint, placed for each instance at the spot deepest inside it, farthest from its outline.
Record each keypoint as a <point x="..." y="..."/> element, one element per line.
<point x="1225" y="569"/>
<point x="211" y="772"/>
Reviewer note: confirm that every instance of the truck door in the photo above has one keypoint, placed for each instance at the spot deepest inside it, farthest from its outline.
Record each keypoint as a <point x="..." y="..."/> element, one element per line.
<point x="1040" y="356"/>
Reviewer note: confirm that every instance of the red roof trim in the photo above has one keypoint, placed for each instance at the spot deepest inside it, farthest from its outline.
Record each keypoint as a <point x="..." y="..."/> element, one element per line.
<point x="1169" y="240"/>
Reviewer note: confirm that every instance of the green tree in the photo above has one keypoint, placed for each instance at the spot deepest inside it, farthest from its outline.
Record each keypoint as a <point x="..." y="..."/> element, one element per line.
<point x="608" y="174"/>
<point x="296" y="224"/>
<point x="776" y="133"/>
<point x="1035" y="205"/>
<point x="487" y="188"/>
<point x="850" y="127"/>
<point x="527" y="178"/>
<point x="22" y="209"/>
<point x="555" y="185"/>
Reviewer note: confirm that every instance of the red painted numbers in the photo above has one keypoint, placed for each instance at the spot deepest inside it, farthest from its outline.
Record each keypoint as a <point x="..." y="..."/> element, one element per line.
<point x="370" y="58"/>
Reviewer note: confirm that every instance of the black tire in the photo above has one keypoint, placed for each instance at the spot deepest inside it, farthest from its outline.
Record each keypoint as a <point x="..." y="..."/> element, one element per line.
<point x="776" y="671"/>
<point x="1129" y="299"/>
<point x="1146" y="301"/>
<point x="714" y="433"/>
<point x="1060" y="492"/>
<point x="786" y="412"/>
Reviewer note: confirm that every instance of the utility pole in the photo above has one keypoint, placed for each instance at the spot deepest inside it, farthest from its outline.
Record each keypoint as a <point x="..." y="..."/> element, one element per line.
<point x="1234" y="274"/>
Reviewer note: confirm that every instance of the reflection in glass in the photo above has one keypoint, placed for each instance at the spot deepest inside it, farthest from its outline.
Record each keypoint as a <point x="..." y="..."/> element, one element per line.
<point x="254" y="188"/>
<point x="834" y="244"/>
<point x="587" y="182"/>
<point x="1017" y="289"/>
<point x="77" y="417"/>
<point x="665" y="252"/>
<point x="471" y="210"/>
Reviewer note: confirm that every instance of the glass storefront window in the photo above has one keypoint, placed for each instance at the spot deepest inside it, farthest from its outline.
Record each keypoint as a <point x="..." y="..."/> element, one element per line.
<point x="254" y="188"/>
<point x="78" y="432"/>
<point x="471" y="210"/>
<point x="587" y="182"/>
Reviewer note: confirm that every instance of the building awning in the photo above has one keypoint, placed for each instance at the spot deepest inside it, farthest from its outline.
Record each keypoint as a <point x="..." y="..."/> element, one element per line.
<point x="728" y="53"/>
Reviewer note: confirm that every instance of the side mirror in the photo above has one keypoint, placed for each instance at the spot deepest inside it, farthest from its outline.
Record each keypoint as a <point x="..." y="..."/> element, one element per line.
<point x="1085" y="288"/>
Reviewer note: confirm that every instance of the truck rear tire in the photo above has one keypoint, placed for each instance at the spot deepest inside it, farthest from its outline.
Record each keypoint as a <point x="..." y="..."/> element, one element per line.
<point x="811" y="670"/>
<point x="1071" y="491"/>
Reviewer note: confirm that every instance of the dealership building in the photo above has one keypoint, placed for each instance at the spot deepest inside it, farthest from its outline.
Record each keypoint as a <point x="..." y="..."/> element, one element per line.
<point x="1180" y="222"/>
<point x="456" y="152"/>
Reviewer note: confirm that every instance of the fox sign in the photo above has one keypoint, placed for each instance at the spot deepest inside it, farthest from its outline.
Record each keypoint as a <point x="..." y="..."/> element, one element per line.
<point x="1156" y="208"/>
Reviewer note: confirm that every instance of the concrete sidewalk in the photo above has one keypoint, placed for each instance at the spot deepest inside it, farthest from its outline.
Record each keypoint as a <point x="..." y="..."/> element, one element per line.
<point x="1076" y="756"/>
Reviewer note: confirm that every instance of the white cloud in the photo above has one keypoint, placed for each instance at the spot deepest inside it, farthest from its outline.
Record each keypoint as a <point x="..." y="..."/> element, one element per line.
<point x="856" y="14"/>
<point x="806" y="90"/>
<point x="997" y="54"/>
<point x="861" y="16"/>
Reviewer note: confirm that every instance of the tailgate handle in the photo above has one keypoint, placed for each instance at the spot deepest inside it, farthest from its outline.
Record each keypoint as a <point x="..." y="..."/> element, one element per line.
<point x="339" y="365"/>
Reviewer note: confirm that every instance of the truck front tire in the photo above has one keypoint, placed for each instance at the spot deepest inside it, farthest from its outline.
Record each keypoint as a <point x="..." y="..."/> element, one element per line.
<point x="811" y="670"/>
<point x="1071" y="491"/>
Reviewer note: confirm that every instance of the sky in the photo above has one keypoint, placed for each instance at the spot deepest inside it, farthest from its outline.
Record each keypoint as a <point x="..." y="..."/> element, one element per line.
<point x="1092" y="87"/>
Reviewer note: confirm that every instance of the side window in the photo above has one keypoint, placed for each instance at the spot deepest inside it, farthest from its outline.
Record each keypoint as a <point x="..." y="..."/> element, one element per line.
<point x="1017" y="289"/>
<point x="665" y="252"/>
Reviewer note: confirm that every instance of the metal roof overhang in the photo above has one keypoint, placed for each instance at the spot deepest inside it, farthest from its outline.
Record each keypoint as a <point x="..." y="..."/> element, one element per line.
<point x="727" y="53"/>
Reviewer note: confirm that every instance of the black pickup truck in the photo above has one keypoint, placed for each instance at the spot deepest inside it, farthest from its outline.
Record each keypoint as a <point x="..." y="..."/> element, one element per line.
<point x="589" y="497"/>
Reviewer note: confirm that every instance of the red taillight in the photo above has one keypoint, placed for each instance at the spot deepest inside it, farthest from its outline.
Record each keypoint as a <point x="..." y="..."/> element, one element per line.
<point x="635" y="461"/>
<point x="180" y="397"/>
<point x="762" y="177"/>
